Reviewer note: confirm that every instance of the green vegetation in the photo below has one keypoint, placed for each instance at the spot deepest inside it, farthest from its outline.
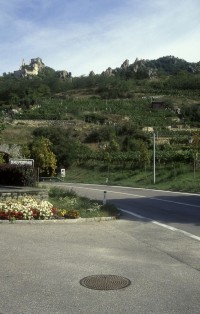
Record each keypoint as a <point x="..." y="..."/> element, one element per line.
<point x="174" y="177"/>
<point x="69" y="203"/>
<point x="103" y="125"/>
<point x="43" y="157"/>
<point x="17" y="175"/>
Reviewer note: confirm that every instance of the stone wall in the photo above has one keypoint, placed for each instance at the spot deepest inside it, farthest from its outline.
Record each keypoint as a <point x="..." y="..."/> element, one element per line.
<point x="17" y="194"/>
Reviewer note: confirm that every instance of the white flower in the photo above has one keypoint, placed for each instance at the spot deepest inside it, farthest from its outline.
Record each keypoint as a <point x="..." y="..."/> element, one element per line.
<point x="25" y="205"/>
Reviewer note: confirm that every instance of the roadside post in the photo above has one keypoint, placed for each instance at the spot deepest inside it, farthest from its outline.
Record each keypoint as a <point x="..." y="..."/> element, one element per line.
<point x="154" y="159"/>
<point x="104" y="198"/>
<point x="62" y="173"/>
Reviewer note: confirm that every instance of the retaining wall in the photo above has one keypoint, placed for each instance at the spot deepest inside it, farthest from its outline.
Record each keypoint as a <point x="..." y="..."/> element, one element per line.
<point x="8" y="193"/>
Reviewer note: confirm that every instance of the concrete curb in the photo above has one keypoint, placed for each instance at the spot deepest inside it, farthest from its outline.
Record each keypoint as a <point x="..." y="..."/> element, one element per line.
<point x="59" y="221"/>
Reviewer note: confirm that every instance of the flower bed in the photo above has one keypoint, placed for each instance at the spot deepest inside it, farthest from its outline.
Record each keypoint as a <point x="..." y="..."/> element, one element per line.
<point x="72" y="214"/>
<point x="26" y="209"/>
<point x="67" y="205"/>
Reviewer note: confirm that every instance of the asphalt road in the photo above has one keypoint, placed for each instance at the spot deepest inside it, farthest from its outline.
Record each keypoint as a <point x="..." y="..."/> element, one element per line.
<point x="178" y="210"/>
<point x="42" y="263"/>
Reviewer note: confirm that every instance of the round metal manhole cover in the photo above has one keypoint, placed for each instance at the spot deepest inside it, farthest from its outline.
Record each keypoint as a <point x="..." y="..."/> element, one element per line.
<point x="105" y="282"/>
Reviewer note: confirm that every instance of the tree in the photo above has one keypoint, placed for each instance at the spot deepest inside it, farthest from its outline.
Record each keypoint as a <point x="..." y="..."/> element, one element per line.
<point x="196" y="142"/>
<point x="44" y="158"/>
<point x="2" y="125"/>
<point x="25" y="151"/>
<point x="141" y="147"/>
<point x="113" y="146"/>
<point x="196" y="149"/>
<point x="2" y="160"/>
<point x="66" y="148"/>
<point x="98" y="135"/>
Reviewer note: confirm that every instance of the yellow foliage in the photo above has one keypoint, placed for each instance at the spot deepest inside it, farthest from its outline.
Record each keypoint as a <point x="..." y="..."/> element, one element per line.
<point x="44" y="158"/>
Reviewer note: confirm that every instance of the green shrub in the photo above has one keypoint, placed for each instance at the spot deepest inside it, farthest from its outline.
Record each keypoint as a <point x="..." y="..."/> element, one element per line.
<point x="74" y="206"/>
<point x="17" y="175"/>
<point x="61" y="193"/>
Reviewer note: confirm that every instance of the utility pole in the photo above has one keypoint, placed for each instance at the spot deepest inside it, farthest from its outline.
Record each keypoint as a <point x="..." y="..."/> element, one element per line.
<point x="154" y="159"/>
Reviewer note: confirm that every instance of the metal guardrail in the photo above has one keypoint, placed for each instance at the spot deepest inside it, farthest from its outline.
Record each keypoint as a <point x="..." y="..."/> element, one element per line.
<point x="50" y="179"/>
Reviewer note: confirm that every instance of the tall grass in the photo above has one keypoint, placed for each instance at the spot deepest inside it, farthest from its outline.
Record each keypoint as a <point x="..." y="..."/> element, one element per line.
<point x="175" y="177"/>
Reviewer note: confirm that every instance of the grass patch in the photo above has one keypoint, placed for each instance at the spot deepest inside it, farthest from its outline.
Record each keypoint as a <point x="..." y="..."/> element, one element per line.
<point x="70" y="205"/>
<point x="174" y="177"/>
<point x="19" y="134"/>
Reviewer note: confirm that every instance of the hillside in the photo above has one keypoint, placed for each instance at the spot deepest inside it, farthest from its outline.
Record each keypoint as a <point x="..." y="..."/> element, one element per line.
<point x="105" y="122"/>
<point x="134" y="92"/>
<point x="131" y="91"/>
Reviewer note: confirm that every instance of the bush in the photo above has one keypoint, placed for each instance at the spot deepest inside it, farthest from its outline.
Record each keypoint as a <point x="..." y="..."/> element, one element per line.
<point x="61" y="193"/>
<point x="105" y="133"/>
<point x="17" y="175"/>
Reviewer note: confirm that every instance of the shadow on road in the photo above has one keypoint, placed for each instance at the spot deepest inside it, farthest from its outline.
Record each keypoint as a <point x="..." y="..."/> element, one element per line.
<point x="167" y="209"/>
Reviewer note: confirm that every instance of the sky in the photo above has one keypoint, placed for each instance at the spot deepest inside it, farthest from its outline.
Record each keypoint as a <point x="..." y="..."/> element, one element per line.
<point x="91" y="35"/>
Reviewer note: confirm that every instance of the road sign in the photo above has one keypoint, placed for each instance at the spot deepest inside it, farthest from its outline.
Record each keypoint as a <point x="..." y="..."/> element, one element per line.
<point x="62" y="173"/>
<point x="28" y="162"/>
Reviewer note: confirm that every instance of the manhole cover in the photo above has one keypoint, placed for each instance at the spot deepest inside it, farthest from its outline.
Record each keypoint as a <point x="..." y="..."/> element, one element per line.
<point x="105" y="282"/>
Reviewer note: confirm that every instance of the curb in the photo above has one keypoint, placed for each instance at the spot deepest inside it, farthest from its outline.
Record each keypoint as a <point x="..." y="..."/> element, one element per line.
<point x="59" y="221"/>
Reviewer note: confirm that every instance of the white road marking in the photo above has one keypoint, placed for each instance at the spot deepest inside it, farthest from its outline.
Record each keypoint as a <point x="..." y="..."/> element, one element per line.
<point x="161" y="224"/>
<point x="146" y="218"/>
<point x="139" y="196"/>
<point x="168" y="201"/>
<point x="142" y="189"/>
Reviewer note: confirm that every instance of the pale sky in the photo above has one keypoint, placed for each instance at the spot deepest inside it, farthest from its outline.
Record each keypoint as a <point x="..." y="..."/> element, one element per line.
<point x="84" y="35"/>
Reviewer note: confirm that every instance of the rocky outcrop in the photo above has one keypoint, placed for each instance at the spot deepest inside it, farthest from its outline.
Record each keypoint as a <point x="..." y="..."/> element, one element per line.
<point x="194" y="68"/>
<point x="13" y="150"/>
<point x="108" y="72"/>
<point x="63" y="75"/>
<point x="143" y="66"/>
<point x="125" y="64"/>
<point x="138" y="67"/>
<point x="91" y="73"/>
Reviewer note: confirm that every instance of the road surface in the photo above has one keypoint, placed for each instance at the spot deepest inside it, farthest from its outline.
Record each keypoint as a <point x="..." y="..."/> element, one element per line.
<point x="173" y="209"/>
<point x="42" y="263"/>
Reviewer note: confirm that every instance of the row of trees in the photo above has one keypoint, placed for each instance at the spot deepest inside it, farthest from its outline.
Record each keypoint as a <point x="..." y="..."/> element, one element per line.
<point x="124" y="146"/>
<point x="53" y="149"/>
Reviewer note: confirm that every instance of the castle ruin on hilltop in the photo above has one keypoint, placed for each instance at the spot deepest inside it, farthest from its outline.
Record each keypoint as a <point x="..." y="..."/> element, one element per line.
<point x="30" y="69"/>
<point x="35" y="66"/>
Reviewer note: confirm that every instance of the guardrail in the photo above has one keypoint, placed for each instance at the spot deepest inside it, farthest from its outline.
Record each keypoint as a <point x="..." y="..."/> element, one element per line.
<point x="50" y="179"/>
